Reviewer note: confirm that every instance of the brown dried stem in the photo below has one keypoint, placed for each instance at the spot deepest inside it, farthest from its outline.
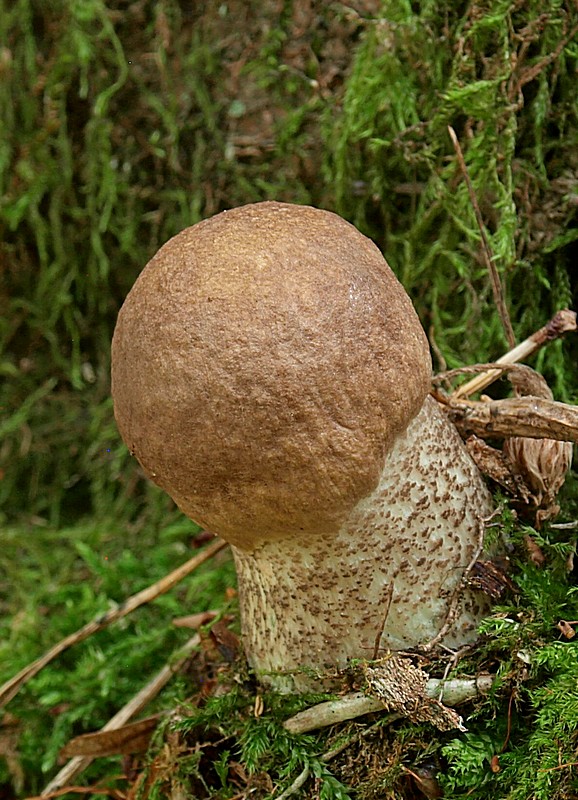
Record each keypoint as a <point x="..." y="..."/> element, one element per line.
<point x="497" y="288"/>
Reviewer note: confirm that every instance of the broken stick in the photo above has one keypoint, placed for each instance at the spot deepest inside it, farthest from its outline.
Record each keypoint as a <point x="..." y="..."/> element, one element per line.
<point x="533" y="417"/>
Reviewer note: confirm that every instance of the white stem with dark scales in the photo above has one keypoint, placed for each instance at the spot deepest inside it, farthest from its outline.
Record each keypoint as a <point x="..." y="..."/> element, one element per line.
<point x="318" y="602"/>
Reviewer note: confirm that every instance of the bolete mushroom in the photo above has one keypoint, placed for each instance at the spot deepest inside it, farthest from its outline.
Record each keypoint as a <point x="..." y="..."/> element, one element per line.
<point x="270" y="373"/>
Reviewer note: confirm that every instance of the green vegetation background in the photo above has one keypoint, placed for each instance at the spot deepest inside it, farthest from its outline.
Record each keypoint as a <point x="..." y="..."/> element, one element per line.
<point x="120" y="124"/>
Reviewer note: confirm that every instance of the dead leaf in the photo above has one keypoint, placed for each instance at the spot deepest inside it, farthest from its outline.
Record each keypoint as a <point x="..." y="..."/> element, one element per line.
<point x="538" y="434"/>
<point x="426" y="782"/>
<point x="535" y="553"/>
<point x="543" y="464"/>
<point x="497" y="467"/>
<point x="490" y="577"/>
<point x="225" y="640"/>
<point x="195" y="621"/>
<point x="132" y="738"/>
<point x="259" y="706"/>
<point x="566" y="629"/>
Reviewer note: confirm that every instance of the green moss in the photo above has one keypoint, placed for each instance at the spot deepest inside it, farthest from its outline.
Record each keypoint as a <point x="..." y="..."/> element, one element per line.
<point x="122" y="124"/>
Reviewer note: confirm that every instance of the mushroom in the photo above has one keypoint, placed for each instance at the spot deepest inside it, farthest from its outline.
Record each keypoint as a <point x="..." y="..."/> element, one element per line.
<point x="270" y="373"/>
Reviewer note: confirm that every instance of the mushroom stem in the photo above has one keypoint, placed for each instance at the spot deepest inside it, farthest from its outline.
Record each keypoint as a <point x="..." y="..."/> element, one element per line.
<point x="311" y="604"/>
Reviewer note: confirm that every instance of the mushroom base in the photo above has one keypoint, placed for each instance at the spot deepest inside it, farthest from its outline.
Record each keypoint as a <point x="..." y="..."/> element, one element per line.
<point x="310" y="604"/>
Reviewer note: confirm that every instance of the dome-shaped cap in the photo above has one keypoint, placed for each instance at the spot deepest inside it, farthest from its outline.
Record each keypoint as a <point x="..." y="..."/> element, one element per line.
<point x="262" y="365"/>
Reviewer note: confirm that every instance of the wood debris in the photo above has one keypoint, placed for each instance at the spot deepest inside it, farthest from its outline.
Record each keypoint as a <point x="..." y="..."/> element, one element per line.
<point x="514" y="416"/>
<point x="542" y="463"/>
<point x="538" y="434"/>
<point x="401" y="687"/>
<point x="450" y="691"/>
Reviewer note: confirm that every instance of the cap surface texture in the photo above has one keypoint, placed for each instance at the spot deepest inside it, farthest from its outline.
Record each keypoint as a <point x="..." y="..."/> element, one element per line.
<point x="263" y="365"/>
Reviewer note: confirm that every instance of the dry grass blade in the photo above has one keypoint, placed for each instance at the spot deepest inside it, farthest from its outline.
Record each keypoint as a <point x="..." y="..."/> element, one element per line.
<point x="562" y="322"/>
<point x="13" y="686"/>
<point x="84" y="790"/>
<point x="76" y="765"/>
<point x="497" y="288"/>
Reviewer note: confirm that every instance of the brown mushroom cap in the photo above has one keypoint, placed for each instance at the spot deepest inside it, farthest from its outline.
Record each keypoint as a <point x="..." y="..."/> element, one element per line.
<point x="262" y="366"/>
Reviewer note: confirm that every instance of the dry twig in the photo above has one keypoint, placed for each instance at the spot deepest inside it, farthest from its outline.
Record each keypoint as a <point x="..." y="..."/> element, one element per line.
<point x="356" y="704"/>
<point x="533" y="417"/>
<point x="562" y="322"/>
